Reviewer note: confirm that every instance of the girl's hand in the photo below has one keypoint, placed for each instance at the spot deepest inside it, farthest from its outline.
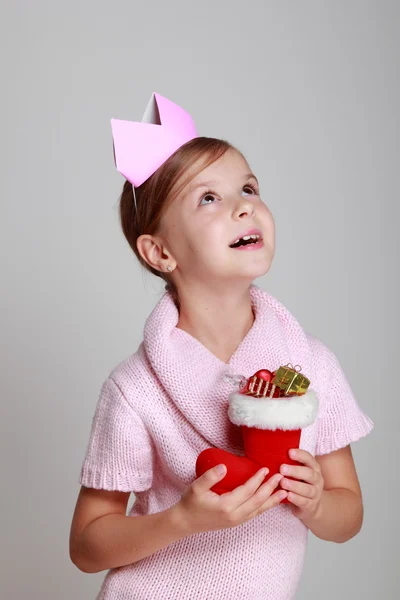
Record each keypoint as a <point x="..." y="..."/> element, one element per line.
<point x="305" y="494"/>
<point x="201" y="509"/>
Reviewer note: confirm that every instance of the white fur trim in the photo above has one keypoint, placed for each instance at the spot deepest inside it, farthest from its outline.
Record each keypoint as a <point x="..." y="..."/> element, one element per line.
<point x="273" y="413"/>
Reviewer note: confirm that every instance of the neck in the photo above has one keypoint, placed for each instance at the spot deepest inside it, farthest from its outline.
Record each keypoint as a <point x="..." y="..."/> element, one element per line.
<point x="218" y="320"/>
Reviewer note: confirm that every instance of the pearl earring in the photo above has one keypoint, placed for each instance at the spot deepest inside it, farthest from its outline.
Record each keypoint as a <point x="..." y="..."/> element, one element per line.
<point x="169" y="268"/>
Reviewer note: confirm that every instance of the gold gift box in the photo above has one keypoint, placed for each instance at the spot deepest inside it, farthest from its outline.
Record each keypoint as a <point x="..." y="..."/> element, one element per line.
<point x="291" y="381"/>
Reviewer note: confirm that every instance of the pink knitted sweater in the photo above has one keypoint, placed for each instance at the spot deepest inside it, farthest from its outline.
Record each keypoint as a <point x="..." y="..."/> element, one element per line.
<point x="159" y="408"/>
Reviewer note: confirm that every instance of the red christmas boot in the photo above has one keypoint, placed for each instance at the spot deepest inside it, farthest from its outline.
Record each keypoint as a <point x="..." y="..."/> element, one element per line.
<point x="270" y="426"/>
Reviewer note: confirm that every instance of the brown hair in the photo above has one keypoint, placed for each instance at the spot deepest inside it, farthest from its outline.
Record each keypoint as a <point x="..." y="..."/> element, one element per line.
<point x="156" y="193"/>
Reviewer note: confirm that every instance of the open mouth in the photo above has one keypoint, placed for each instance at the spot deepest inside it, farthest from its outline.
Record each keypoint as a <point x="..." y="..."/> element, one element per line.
<point x="246" y="240"/>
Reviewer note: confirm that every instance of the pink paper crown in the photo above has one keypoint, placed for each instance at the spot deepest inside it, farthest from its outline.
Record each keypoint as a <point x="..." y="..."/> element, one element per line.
<point x="140" y="148"/>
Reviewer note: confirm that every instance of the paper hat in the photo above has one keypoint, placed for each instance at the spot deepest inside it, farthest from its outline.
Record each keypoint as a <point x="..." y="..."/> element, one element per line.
<point x="140" y="148"/>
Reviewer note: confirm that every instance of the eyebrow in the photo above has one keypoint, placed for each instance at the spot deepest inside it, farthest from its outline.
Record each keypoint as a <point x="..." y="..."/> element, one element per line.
<point x="213" y="182"/>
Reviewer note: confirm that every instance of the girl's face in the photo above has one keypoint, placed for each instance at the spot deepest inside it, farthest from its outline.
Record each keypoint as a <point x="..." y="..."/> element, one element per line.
<point x="218" y="207"/>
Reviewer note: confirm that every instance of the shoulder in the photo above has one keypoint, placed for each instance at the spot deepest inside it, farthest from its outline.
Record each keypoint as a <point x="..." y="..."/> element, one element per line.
<point x="320" y="353"/>
<point x="324" y="365"/>
<point x="132" y="365"/>
<point x="134" y="378"/>
<point x="325" y="360"/>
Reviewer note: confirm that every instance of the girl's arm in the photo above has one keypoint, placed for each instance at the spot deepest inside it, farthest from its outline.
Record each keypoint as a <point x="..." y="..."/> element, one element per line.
<point x="103" y="537"/>
<point x="328" y="500"/>
<point x="340" y="513"/>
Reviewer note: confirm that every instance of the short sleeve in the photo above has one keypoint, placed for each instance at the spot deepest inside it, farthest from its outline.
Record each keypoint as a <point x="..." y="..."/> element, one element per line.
<point x="341" y="420"/>
<point x="118" y="455"/>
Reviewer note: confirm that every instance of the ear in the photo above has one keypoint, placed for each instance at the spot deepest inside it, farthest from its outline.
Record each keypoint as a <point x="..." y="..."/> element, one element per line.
<point x="154" y="252"/>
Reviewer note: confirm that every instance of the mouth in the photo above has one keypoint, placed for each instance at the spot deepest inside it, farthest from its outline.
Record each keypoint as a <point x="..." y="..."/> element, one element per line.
<point x="252" y="239"/>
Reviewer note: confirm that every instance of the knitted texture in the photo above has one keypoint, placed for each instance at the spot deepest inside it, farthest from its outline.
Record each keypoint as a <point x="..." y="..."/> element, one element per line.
<point x="162" y="406"/>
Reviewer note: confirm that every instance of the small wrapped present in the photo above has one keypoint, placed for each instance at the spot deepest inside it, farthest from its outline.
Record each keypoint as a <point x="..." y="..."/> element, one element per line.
<point x="290" y="380"/>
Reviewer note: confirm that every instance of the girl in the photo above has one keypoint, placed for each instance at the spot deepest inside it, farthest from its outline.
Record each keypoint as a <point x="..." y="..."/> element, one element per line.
<point x="192" y="212"/>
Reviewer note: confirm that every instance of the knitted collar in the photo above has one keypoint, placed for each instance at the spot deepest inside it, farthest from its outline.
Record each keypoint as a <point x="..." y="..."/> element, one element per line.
<point x="194" y="378"/>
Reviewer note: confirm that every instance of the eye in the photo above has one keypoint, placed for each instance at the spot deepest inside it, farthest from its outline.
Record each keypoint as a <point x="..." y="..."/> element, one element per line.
<point x="250" y="189"/>
<point x="208" y="198"/>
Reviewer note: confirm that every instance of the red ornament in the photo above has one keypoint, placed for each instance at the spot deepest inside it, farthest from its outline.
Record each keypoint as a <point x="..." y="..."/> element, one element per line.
<point x="260" y="385"/>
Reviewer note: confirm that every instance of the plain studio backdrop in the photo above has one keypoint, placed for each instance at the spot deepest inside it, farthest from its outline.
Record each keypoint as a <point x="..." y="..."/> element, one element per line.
<point x="309" y="91"/>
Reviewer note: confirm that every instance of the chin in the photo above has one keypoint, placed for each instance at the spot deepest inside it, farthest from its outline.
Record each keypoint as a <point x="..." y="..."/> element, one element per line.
<point x="242" y="271"/>
<point x="258" y="270"/>
<point x="263" y="271"/>
<point x="254" y="273"/>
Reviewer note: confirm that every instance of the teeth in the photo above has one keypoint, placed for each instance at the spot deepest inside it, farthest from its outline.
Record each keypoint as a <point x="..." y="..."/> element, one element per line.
<point x="254" y="236"/>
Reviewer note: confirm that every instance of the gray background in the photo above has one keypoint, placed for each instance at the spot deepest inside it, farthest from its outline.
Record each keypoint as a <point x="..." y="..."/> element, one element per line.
<point x="309" y="92"/>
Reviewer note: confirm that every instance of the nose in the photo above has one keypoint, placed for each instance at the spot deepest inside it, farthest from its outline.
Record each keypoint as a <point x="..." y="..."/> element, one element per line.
<point x="243" y="208"/>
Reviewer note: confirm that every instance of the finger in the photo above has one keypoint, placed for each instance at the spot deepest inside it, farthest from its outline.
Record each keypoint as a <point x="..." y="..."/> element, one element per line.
<point x="304" y="457"/>
<point x="302" y="473"/>
<point x="273" y="500"/>
<point x="261" y="495"/>
<point x="206" y="481"/>
<point x="302" y="489"/>
<point x="242" y="492"/>
<point x="299" y="501"/>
